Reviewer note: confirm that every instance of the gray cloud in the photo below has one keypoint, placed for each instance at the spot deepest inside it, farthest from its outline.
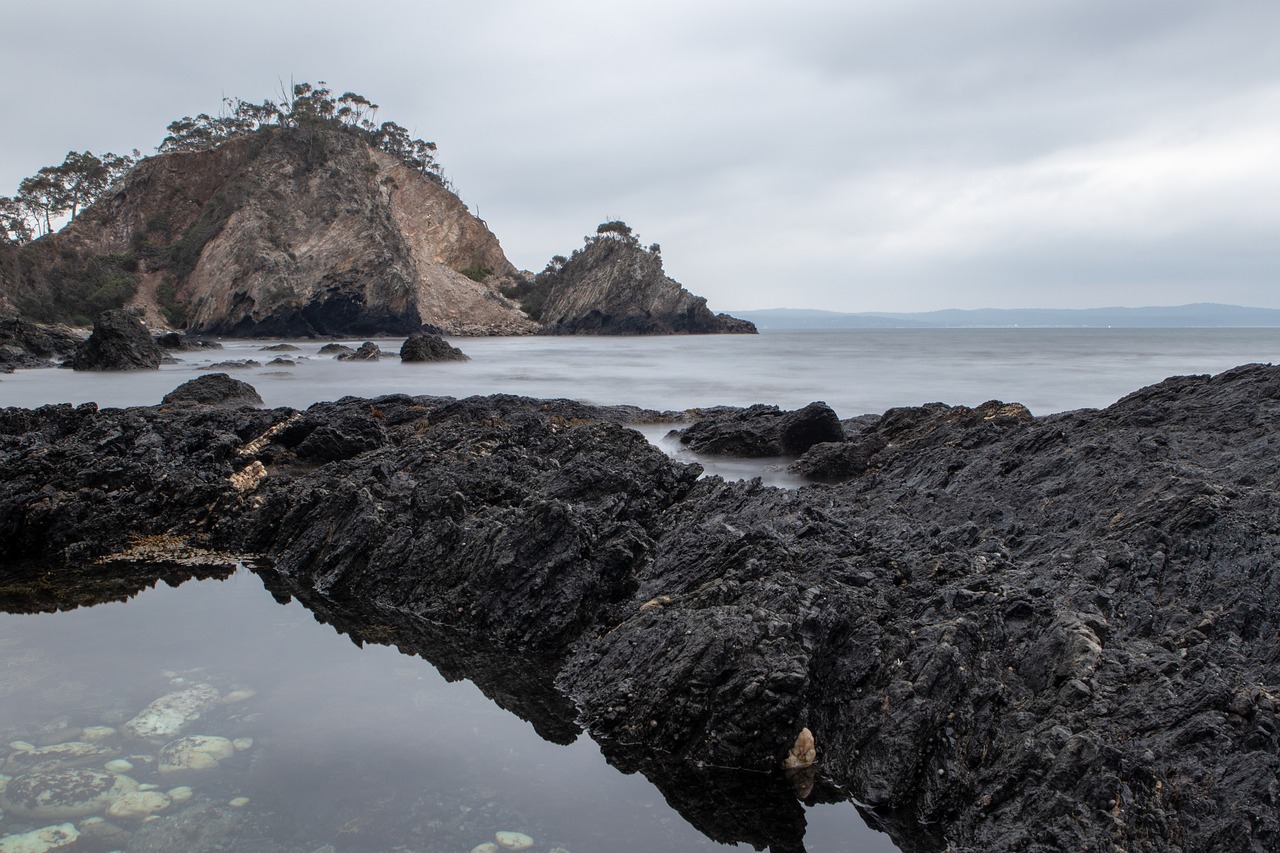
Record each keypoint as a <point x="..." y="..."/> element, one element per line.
<point x="869" y="156"/>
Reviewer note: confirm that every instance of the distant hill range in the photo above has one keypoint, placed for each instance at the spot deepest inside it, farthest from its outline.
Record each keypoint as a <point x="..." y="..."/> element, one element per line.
<point x="1198" y="315"/>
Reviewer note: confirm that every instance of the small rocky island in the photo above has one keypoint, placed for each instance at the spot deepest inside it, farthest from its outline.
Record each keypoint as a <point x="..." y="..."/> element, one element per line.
<point x="992" y="630"/>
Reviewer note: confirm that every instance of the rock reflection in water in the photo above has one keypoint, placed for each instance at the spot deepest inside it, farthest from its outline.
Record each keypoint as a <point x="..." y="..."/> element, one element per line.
<point x="316" y="742"/>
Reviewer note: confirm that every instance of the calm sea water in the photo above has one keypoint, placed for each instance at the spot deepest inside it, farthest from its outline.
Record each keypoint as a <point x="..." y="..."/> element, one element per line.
<point x="368" y="749"/>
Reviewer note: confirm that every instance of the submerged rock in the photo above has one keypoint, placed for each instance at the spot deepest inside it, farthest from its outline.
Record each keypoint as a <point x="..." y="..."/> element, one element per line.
<point x="119" y="342"/>
<point x="194" y="752"/>
<point x="171" y="713"/>
<point x="41" y="840"/>
<point x="61" y="794"/>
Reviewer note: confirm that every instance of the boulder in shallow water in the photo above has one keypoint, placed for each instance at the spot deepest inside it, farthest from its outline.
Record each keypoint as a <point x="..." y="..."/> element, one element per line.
<point x="368" y="351"/>
<point x="119" y="342"/>
<point x="760" y="430"/>
<point x="215" y="389"/>
<point x="421" y="348"/>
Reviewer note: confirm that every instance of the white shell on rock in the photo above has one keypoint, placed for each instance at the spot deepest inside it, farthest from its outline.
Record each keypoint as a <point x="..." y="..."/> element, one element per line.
<point x="181" y="794"/>
<point x="196" y="752"/>
<point x="172" y="712"/>
<point x="138" y="805"/>
<point x="62" y="794"/>
<point x="513" y="840"/>
<point x="40" y="840"/>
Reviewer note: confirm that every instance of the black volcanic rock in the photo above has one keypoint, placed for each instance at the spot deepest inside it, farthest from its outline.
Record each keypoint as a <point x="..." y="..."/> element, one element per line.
<point x="761" y="430"/>
<point x="1004" y="632"/>
<point x="119" y="342"/>
<point x="215" y="389"/>
<point x="424" y="347"/>
<point x="24" y="344"/>
<point x="367" y="351"/>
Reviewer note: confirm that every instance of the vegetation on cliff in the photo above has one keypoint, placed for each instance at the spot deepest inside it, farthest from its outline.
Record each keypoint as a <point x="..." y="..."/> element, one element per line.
<point x="73" y="282"/>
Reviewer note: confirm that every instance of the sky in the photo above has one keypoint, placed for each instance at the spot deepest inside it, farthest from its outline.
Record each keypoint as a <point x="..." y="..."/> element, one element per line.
<point x="854" y="155"/>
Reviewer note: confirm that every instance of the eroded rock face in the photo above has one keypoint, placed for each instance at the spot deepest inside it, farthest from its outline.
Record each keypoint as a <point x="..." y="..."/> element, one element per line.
<point x="119" y="342"/>
<point x="1002" y="632"/>
<point x="24" y="344"/>
<point x="613" y="287"/>
<point x="282" y="235"/>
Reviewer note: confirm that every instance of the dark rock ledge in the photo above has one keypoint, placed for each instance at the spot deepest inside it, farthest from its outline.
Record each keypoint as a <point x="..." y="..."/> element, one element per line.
<point x="1005" y="632"/>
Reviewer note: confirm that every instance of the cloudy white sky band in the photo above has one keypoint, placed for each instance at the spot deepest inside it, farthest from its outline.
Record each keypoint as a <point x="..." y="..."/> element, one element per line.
<point x="891" y="155"/>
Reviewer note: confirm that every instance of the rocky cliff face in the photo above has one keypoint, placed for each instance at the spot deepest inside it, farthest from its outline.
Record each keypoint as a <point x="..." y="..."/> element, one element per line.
<point x="293" y="232"/>
<point x="613" y="286"/>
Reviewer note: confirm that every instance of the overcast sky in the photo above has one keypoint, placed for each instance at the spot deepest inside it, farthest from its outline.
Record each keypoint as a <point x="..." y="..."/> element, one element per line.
<point x="896" y="155"/>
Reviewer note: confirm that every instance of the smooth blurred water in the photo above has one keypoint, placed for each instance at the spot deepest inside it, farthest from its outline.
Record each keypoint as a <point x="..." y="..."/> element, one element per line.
<point x="855" y="371"/>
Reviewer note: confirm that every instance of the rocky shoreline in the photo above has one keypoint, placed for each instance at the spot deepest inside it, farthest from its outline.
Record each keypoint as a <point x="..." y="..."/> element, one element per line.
<point x="1004" y="632"/>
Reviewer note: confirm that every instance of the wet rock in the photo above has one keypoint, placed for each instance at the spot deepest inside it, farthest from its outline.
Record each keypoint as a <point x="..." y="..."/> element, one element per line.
<point x="119" y="342"/>
<point x="171" y="713"/>
<point x="27" y="345"/>
<point x="62" y="794"/>
<point x="368" y="351"/>
<point x="214" y="389"/>
<point x="1005" y="633"/>
<point x="234" y="364"/>
<point x="279" y="348"/>
<point x="177" y="342"/>
<point x="335" y="349"/>
<point x="194" y="752"/>
<point x="760" y="431"/>
<point x="41" y="840"/>
<point x="420" y="348"/>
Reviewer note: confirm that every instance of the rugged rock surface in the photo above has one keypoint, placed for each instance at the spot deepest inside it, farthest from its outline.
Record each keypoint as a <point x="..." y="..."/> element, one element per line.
<point x="214" y="389"/>
<point x="119" y="342"/>
<point x="1003" y="632"/>
<point x="183" y="343"/>
<point x="291" y="232"/>
<point x="24" y="344"/>
<point x="613" y="286"/>
<point x="760" y="430"/>
<point x="367" y="351"/>
<point x="419" y="348"/>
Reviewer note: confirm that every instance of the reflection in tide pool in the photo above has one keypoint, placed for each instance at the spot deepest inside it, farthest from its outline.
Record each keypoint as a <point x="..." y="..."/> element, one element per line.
<point x="215" y="718"/>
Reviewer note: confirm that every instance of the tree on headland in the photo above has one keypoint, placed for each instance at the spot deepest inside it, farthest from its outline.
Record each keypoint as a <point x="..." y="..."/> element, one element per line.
<point x="307" y="108"/>
<point x="57" y="191"/>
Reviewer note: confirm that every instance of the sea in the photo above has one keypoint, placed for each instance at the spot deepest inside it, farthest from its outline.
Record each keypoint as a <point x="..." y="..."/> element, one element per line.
<point x="343" y="746"/>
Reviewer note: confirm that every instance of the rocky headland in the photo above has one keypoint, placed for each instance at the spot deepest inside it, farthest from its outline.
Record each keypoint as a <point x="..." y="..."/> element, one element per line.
<point x="313" y="230"/>
<point x="615" y="286"/>
<point x="1002" y="632"/>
